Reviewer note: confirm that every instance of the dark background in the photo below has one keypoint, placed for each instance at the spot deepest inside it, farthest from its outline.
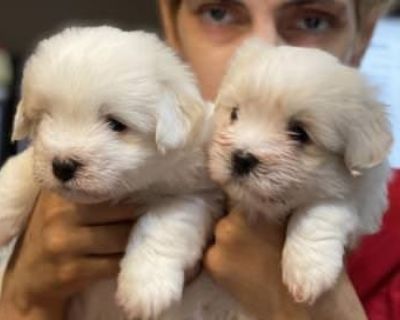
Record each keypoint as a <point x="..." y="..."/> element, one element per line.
<point x="24" y="22"/>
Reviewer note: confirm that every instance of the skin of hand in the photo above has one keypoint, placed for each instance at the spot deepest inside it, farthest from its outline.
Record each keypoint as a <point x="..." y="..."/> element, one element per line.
<point x="65" y="248"/>
<point x="246" y="260"/>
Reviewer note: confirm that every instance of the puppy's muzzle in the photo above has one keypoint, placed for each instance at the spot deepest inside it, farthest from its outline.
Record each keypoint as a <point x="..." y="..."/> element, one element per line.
<point x="65" y="170"/>
<point x="243" y="162"/>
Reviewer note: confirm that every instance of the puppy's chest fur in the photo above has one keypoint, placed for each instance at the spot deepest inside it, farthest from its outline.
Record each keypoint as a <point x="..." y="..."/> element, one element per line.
<point x="183" y="176"/>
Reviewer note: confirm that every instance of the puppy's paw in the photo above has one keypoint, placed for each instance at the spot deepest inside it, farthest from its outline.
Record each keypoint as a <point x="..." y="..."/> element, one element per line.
<point x="309" y="271"/>
<point x="145" y="289"/>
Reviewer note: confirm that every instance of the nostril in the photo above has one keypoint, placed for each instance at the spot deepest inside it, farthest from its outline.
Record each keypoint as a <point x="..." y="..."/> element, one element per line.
<point x="65" y="170"/>
<point x="243" y="162"/>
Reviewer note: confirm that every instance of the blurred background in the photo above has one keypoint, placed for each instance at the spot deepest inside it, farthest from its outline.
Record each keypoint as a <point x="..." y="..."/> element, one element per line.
<point x="23" y="23"/>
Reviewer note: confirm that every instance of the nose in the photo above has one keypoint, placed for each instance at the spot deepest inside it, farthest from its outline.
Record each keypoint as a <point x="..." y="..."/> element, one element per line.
<point x="243" y="162"/>
<point x="65" y="170"/>
<point x="266" y="29"/>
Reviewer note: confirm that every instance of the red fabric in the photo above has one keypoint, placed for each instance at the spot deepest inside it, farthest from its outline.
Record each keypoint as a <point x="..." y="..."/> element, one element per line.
<point x="374" y="267"/>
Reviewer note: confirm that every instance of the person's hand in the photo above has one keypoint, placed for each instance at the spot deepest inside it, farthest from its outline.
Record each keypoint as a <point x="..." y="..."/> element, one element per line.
<point x="246" y="260"/>
<point x="65" y="248"/>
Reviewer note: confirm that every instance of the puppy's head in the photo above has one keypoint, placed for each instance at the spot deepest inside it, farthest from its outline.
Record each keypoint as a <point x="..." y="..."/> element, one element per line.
<point x="103" y="107"/>
<point x="293" y="123"/>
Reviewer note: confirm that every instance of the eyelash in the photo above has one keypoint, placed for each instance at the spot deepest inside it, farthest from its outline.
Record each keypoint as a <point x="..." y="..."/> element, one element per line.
<point x="327" y="19"/>
<point x="317" y="28"/>
<point x="236" y="14"/>
<point x="207" y="12"/>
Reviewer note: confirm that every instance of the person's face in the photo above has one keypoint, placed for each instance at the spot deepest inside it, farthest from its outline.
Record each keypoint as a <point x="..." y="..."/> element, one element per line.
<point x="207" y="32"/>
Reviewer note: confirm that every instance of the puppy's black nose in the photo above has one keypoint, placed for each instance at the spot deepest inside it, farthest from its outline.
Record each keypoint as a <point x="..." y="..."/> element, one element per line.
<point x="65" y="170"/>
<point x="243" y="162"/>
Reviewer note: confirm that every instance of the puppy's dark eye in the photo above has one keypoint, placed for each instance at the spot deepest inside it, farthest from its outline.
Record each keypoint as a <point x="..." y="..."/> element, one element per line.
<point x="116" y="125"/>
<point x="234" y="114"/>
<point x="298" y="133"/>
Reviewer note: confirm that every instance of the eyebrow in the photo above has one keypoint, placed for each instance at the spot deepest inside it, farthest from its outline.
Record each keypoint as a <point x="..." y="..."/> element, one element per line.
<point x="339" y="6"/>
<point x="198" y="2"/>
<point x="308" y="2"/>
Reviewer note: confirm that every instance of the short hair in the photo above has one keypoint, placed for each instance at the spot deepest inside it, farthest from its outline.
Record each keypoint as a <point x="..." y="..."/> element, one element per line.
<point x="366" y="8"/>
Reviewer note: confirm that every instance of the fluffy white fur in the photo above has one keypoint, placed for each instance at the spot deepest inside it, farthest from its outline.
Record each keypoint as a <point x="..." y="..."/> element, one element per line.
<point x="320" y="139"/>
<point x="78" y="82"/>
<point x="76" y="85"/>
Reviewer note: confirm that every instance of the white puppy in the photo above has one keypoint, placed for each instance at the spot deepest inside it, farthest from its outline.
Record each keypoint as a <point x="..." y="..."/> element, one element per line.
<point x="115" y="115"/>
<point x="299" y="135"/>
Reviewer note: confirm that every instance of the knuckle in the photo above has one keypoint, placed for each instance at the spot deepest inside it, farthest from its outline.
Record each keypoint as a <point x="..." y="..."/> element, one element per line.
<point x="55" y="241"/>
<point x="50" y="216"/>
<point x="214" y="261"/>
<point x="68" y="273"/>
<point x="110" y="268"/>
<point x="224" y="231"/>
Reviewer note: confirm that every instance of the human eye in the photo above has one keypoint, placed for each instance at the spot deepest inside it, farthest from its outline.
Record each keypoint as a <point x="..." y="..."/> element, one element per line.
<point x="313" y="23"/>
<point x="310" y="21"/>
<point x="223" y="13"/>
<point x="310" y="26"/>
<point x="216" y="14"/>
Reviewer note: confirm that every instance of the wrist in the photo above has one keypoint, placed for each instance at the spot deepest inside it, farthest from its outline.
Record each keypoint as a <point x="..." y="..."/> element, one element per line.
<point x="285" y="308"/>
<point x="11" y="312"/>
<point x="292" y="311"/>
<point x="18" y="304"/>
<point x="18" y="308"/>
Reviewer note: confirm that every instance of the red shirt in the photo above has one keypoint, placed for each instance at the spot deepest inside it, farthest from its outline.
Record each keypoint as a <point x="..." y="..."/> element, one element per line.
<point x="374" y="267"/>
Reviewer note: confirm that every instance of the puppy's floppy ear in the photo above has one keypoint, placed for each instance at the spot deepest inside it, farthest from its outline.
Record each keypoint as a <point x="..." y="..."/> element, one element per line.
<point x="369" y="138"/>
<point x="178" y="116"/>
<point x="22" y="124"/>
